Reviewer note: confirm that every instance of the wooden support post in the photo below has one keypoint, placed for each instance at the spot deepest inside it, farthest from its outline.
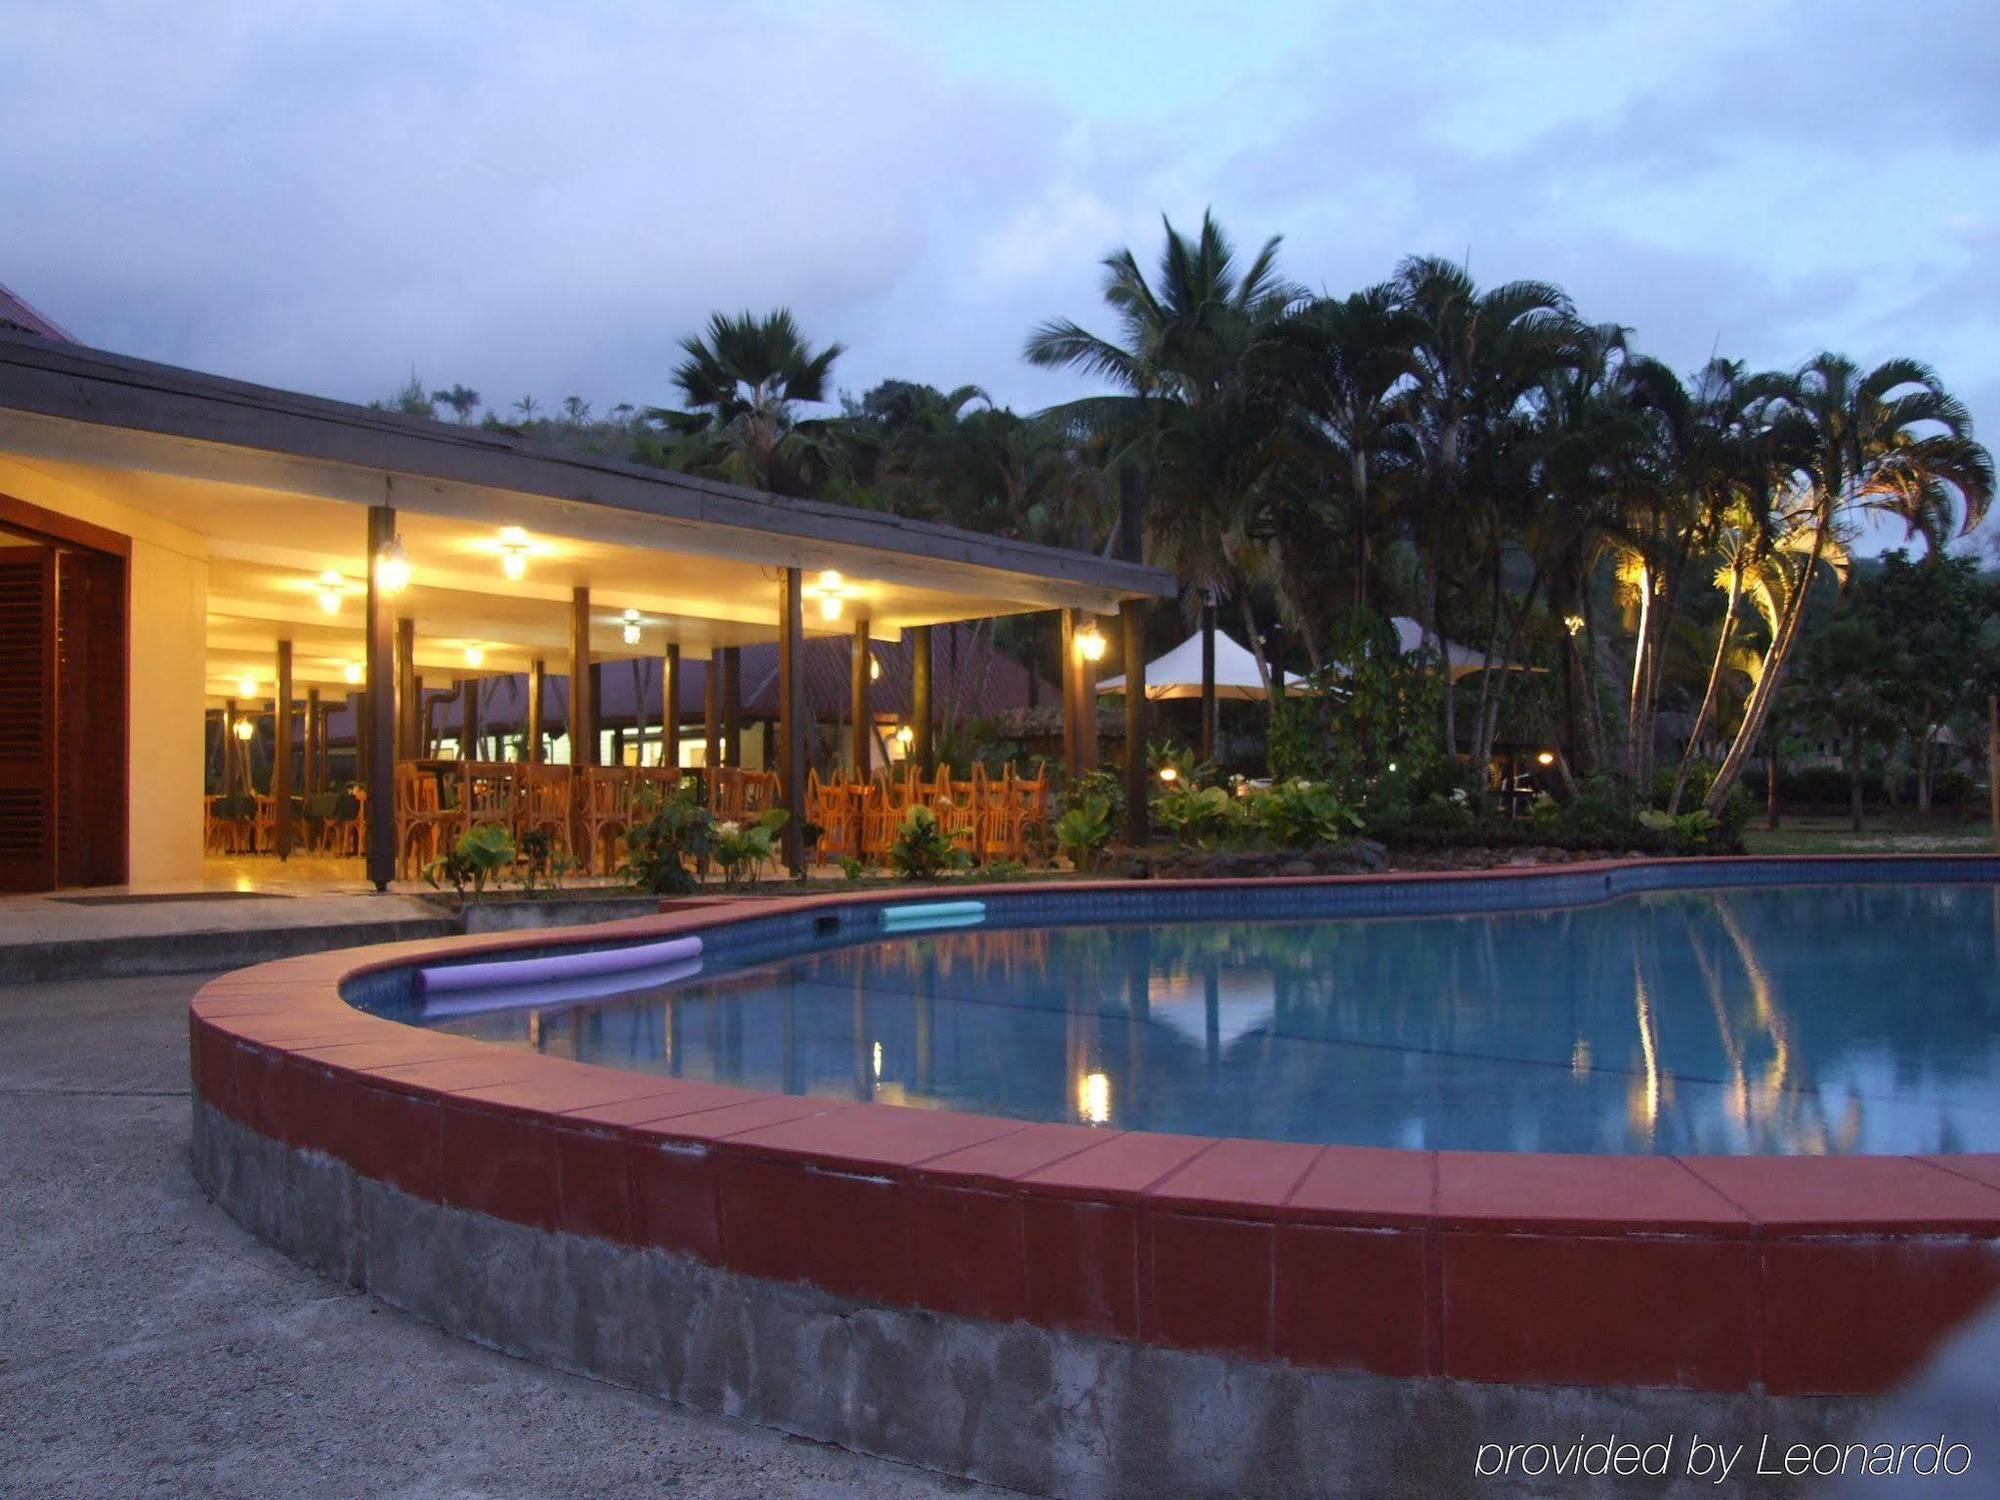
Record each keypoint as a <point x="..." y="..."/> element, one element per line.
<point x="732" y="705"/>
<point x="711" y="714"/>
<point x="229" y="747"/>
<point x="357" y="715"/>
<point x="315" y="777"/>
<point x="377" y="725"/>
<point x="582" y="712"/>
<point x="1066" y="663"/>
<point x="791" y="723"/>
<point x="857" y="701"/>
<point x="1205" y="737"/>
<point x="281" y="751"/>
<point x="923" y="748"/>
<point x="1132" y="619"/>
<point x="670" y="709"/>
<point x="468" y="719"/>
<point x="538" y="686"/>
<point x="409" y="694"/>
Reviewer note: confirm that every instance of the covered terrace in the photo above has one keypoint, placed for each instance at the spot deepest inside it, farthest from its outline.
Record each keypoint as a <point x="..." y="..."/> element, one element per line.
<point x="260" y="555"/>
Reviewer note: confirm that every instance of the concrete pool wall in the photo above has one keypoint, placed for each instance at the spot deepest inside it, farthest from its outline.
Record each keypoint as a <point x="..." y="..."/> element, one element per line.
<point x="1069" y="1309"/>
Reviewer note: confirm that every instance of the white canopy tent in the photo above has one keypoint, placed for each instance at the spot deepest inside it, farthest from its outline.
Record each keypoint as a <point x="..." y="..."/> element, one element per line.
<point x="1178" y="674"/>
<point x="1461" y="660"/>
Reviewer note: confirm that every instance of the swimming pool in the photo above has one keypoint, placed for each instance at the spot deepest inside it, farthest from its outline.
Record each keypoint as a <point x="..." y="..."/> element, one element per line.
<point x="1785" y="1019"/>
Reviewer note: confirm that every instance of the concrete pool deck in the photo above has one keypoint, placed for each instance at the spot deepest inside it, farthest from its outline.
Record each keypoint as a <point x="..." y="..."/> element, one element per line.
<point x="150" y="1346"/>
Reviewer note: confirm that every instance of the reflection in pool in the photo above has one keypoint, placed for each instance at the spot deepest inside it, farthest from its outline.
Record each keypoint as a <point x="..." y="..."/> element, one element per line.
<point x="1792" y="1019"/>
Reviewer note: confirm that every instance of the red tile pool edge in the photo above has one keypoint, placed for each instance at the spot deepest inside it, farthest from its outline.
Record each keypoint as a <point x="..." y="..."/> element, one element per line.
<point x="1717" y="1274"/>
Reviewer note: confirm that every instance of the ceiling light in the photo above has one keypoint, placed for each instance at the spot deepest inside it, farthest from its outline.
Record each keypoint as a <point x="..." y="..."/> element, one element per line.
<point x="831" y="591"/>
<point x="631" y="627"/>
<point x="392" y="567"/>
<point x="475" y="657"/>
<point x="246" y="687"/>
<point x="905" y="735"/>
<point x="331" y="587"/>
<point x="874" y="668"/>
<point x="514" y="548"/>
<point x="352" y="672"/>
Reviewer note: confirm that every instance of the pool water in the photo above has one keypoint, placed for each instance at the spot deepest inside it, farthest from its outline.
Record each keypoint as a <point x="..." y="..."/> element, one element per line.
<point x="1831" y="1018"/>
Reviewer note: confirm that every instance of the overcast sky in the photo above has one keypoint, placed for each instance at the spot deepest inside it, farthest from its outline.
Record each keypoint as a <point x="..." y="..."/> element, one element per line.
<point x="545" y="198"/>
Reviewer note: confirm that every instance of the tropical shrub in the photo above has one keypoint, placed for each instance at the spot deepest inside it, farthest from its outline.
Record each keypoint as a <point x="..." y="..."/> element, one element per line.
<point x="1199" y="816"/>
<point x="480" y="854"/>
<point x="1301" y="814"/>
<point x="1102" y="784"/>
<point x="675" y="833"/>
<point x="1084" y="829"/>
<point x="740" y="849"/>
<point x="923" y="851"/>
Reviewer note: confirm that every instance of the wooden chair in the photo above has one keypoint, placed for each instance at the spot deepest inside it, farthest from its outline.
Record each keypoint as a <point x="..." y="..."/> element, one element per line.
<point x="345" y="832"/>
<point x="542" y="805"/>
<point x="604" y="814"/>
<point x="227" y="823"/>
<point x="956" y="806"/>
<point x="835" y="806"/>
<point x="423" y="822"/>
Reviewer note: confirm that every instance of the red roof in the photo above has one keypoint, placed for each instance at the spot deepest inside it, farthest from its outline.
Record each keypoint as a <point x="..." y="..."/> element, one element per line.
<point x="14" y="313"/>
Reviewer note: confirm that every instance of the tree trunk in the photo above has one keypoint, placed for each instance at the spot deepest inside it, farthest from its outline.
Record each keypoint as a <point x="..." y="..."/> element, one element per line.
<point x="1728" y="629"/>
<point x="1759" y="707"/>
<point x="1642" y="641"/>
<point x="1771" y="780"/>
<point x="1854" y="773"/>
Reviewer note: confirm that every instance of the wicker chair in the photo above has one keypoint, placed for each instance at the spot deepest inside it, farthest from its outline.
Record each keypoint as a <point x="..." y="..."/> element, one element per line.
<point x="604" y="814"/>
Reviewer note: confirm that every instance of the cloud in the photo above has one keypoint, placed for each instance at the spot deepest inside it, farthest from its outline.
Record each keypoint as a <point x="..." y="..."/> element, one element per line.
<point x="537" y="200"/>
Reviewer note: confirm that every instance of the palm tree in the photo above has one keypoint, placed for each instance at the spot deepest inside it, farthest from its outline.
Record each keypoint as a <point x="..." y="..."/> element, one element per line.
<point x="1183" y="418"/>
<point x="742" y="380"/>
<point x="1477" y="354"/>
<point x="1889" y="441"/>
<point x="1344" y="361"/>
<point x="461" y="398"/>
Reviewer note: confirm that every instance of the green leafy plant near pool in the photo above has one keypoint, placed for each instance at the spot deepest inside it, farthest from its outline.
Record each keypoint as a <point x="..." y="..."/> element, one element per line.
<point x="481" y="854"/>
<point x="666" y="849"/>
<point x="1084" y="829"/>
<point x="923" y="851"/>
<point x="741" y="850"/>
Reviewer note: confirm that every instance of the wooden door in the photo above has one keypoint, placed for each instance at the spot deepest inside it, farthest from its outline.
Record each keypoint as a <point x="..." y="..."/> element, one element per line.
<point x="27" y="718"/>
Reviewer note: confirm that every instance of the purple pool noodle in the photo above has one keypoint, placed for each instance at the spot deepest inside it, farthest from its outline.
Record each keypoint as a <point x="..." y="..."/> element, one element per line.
<point x="552" y="997"/>
<point x="555" y="966"/>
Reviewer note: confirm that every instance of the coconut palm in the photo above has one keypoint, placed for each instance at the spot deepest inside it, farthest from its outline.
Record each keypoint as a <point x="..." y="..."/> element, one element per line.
<point x="1183" y="362"/>
<point x="743" y="380"/>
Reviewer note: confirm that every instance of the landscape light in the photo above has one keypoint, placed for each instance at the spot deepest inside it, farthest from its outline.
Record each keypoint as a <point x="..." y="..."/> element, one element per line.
<point x="331" y="587"/>
<point x="1545" y="758"/>
<point x="631" y="627"/>
<point x="1573" y="624"/>
<point x="392" y="567"/>
<point x="1169" y="775"/>
<point x="1090" y="644"/>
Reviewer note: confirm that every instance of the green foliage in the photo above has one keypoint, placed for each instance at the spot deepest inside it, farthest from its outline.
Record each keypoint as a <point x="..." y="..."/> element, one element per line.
<point x="852" y="869"/>
<point x="1300" y="814"/>
<point x="1199" y="816"/>
<point x="480" y="854"/>
<point x="1688" y="833"/>
<point x="922" y="850"/>
<point x="1102" y="784"/>
<point x="1084" y="829"/>
<point x="740" y="850"/>
<point x="665" y="848"/>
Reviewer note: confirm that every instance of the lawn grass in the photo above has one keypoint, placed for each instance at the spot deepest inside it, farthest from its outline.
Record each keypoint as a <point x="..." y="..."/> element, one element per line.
<point x="1817" y="834"/>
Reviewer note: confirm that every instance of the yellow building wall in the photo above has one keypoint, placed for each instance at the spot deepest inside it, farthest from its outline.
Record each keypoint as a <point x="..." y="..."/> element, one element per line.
<point x="165" y="688"/>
